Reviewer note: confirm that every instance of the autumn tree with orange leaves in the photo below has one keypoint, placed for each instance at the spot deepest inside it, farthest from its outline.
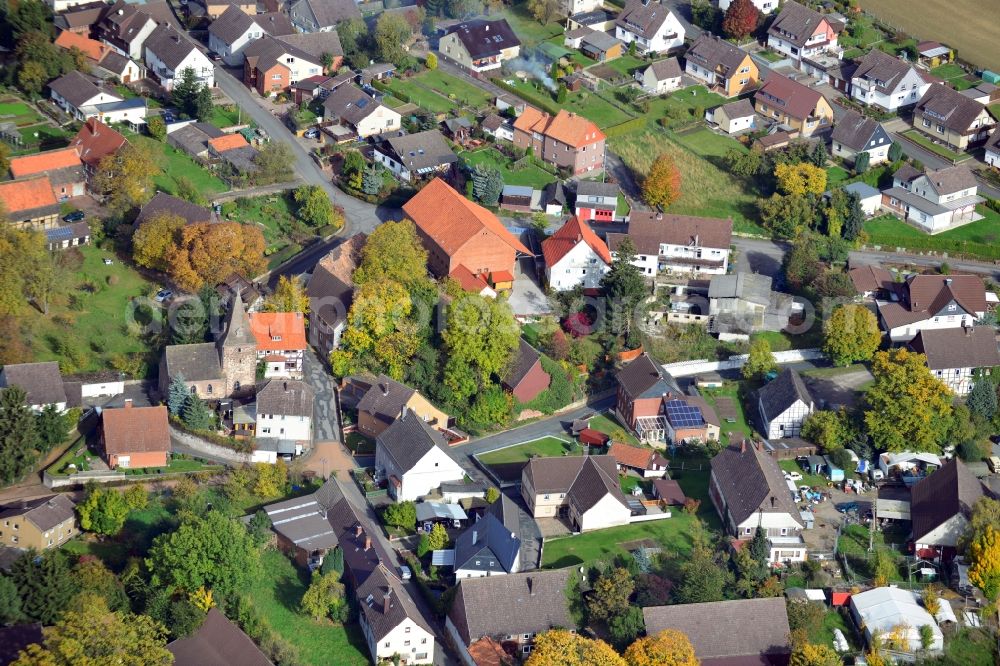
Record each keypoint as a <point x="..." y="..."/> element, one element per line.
<point x="741" y="19"/>
<point x="667" y="648"/>
<point x="663" y="184"/>
<point x="561" y="648"/>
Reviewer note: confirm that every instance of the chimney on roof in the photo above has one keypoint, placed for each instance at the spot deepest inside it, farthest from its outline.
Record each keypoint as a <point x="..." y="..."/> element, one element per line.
<point x="358" y="530"/>
<point x="947" y="282"/>
<point x="475" y="537"/>
<point x="128" y="403"/>
<point x="284" y="385"/>
<point x="774" y="501"/>
<point x="385" y="388"/>
<point x="659" y="216"/>
<point x="968" y="330"/>
<point x="387" y="600"/>
<point x="743" y="446"/>
<point x="531" y="586"/>
<point x="368" y="542"/>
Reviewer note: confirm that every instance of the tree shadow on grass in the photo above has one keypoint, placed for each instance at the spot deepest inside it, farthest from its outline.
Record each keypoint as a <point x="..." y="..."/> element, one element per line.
<point x="565" y="561"/>
<point x="288" y="591"/>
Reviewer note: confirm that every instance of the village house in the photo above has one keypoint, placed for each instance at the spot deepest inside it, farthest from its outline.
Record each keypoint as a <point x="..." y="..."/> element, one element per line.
<point x="647" y="463"/>
<point x="690" y="420"/>
<point x="490" y="612"/>
<point x="596" y="17"/>
<point x="793" y="105"/>
<point x="743" y="303"/>
<point x="676" y="243"/>
<point x="167" y="204"/>
<point x="524" y="377"/>
<point x="193" y="137"/>
<point x="285" y="412"/>
<point x="734" y="117"/>
<point x="872" y="281"/>
<point x="643" y="386"/>
<point x="571" y="7"/>
<point x="600" y="46"/>
<point x="135" y="437"/>
<point x="784" y="404"/>
<point x="385" y="401"/>
<point x="83" y="97"/>
<point x="30" y="203"/>
<point x="271" y="65"/>
<point x="456" y="232"/>
<point x="651" y="25"/>
<point x="390" y="621"/>
<point x="565" y="140"/>
<point x="518" y="198"/>
<point x="94" y="142"/>
<point x="321" y="15"/>
<point x="217" y="641"/>
<point x="40" y="381"/>
<point x="661" y="77"/>
<point x="596" y="201"/>
<point x="756" y="630"/>
<point x="168" y="54"/>
<point x="234" y="30"/>
<point x="855" y="134"/>
<point x="414" y="156"/>
<point x="80" y="19"/>
<point x="933" y="302"/>
<point x="39" y="523"/>
<point x="934" y="200"/>
<point x="480" y="46"/>
<point x="748" y="490"/>
<point x="114" y="65"/>
<point x="800" y="32"/>
<point x="950" y="117"/>
<point x="490" y="546"/>
<point x="281" y="342"/>
<point x="582" y="489"/>
<point x="497" y="127"/>
<point x="331" y="293"/>
<point x="352" y="108"/>
<point x="91" y="48"/>
<point x="575" y="257"/>
<point x="763" y="6"/>
<point x="887" y="82"/>
<point x="62" y="167"/>
<point x="956" y="355"/>
<point x="940" y="507"/>
<point x="410" y="456"/>
<point x="724" y="68"/>
<point x="126" y="26"/>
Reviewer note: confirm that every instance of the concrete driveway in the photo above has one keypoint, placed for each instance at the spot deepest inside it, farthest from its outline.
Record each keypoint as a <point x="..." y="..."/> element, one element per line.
<point x="314" y="373"/>
<point x="838" y="390"/>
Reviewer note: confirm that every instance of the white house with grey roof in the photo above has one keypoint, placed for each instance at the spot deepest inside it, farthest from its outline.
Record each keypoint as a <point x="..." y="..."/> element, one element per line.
<point x="651" y="25"/>
<point x="410" y="455"/>
<point x="955" y="355"/>
<point x="784" y="404"/>
<point x="285" y="412"/>
<point x="235" y="30"/>
<point x="352" y="108"/>
<point x="887" y="82"/>
<point x="321" y="15"/>
<point x="854" y="134"/>
<point x="734" y="117"/>
<point x="40" y="381"/>
<point x="677" y="243"/>
<point x="583" y="489"/>
<point x="491" y="546"/>
<point x="76" y="93"/>
<point x="801" y="32"/>
<point x="935" y="200"/>
<point x="660" y="77"/>
<point x="412" y="156"/>
<point x="169" y="53"/>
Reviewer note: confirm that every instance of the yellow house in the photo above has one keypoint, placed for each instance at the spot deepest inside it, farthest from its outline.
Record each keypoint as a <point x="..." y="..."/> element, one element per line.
<point x="793" y="104"/>
<point x="387" y="400"/>
<point x="40" y="523"/>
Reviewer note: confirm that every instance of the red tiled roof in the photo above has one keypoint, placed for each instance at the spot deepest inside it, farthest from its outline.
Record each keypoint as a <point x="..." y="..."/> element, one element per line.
<point x="487" y="652"/>
<point x="135" y="429"/>
<point x="289" y="327"/>
<point x="633" y="456"/>
<point x="21" y="195"/>
<point x="43" y="162"/>
<point x="452" y="220"/>
<point x="593" y="437"/>
<point x="501" y="276"/>
<point x="228" y="142"/>
<point x="91" y="48"/>
<point x="564" y="127"/>
<point x="95" y="140"/>
<point x="795" y="99"/>
<point x="572" y="233"/>
<point x="467" y="280"/>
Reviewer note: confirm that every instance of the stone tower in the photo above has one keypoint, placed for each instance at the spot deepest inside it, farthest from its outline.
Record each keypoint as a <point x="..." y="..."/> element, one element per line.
<point x="238" y="351"/>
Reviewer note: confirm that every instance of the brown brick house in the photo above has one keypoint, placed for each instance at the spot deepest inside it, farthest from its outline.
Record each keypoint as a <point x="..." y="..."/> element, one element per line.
<point x="565" y="140"/>
<point x="135" y="436"/>
<point x="526" y="378"/>
<point x="643" y="385"/>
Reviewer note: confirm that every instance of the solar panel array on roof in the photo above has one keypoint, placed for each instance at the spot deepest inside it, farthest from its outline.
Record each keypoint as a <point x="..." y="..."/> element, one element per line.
<point x="59" y="233"/>
<point x="682" y="415"/>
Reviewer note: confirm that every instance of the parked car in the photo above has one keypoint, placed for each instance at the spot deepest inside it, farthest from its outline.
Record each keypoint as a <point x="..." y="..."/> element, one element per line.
<point x="876" y="474"/>
<point x="75" y="216"/>
<point x="163" y="295"/>
<point x="311" y="133"/>
<point x="793" y="476"/>
<point x="214" y="56"/>
<point x="404" y="572"/>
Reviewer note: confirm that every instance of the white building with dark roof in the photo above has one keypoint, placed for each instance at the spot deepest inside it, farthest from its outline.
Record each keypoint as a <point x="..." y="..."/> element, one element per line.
<point x="168" y="53"/>
<point x="420" y="155"/>
<point x="410" y="455"/>
<point x="854" y="134"/>
<point x="784" y="404"/>
<point x="40" y="381"/>
<point x="887" y="82"/>
<point x="660" y="77"/>
<point x="677" y="243"/>
<point x="584" y="489"/>
<point x="954" y="355"/>
<point x="935" y="200"/>
<point x="480" y="45"/>
<point x="651" y="25"/>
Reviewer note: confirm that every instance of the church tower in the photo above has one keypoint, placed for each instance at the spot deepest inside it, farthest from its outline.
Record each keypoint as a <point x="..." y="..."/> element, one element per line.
<point x="238" y="351"/>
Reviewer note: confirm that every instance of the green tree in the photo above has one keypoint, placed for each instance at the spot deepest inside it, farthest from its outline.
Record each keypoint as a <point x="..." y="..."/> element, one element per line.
<point x="626" y="626"/>
<point x="759" y="548"/>
<point x="610" y="596"/>
<point x="203" y="107"/>
<point x="745" y="163"/>
<point x="289" y="296"/>
<point x="492" y="495"/>
<point x="28" y="16"/>
<point x="829" y="430"/>
<point x="802" y="265"/>
<point x="812" y="654"/>
<point x="854" y="219"/>
<point x="44" y="583"/>
<point x="380" y="336"/>
<point x="53" y="427"/>
<point x="702" y="578"/>
<point x="487" y="184"/>
<point x="260" y="528"/>
<point x="353" y="35"/>
<point x="94" y="577"/>
<point x="354" y="165"/>
<point x="760" y="361"/>
<point x="334" y="562"/>
<point x="788" y="216"/>
<point x="314" y="208"/>
<point x="10" y="602"/>
<point x="212" y="550"/>
<point x="982" y="400"/>
<point x="391" y="34"/>
<point x="125" y="178"/>
<point x="851" y="334"/>
<point x="31" y="77"/>
<point x="136" y="497"/>
<point x="195" y="414"/>
<point x="393" y="252"/>
<point x="325" y="597"/>
<point x="491" y="408"/>
<point x="157" y="128"/>
<point x="371" y="180"/>
<point x="543" y="11"/>
<point x="561" y="93"/>
<point x="908" y="408"/>
<point x="624" y="286"/>
<point x="270" y="480"/>
<point x="431" y="61"/>
<point x="177" y="394"/>
<point x="481" y="335"/>
<point x="103" y="512"/>
<point x="19" y="438"/>
<point x="274" y="163"/>
<point x="861" y="162"/>
<point x="400" y="514"/>
<point x="185" y="92"/>
<point x="895" y="152"/>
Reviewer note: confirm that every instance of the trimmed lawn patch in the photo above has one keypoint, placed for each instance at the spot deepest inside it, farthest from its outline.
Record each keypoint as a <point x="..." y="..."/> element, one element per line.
<point x="277" y="595"/>
<point x="531" y="175"/>
<point x="528" y="30"/>
<point x="853" y="544"/>
<point x="607" y="424"/>
<point x="807" y="479"/>
<point x="626" y="64"/>
<point x="392" y="102"/>
<point x="627" y="483"/>
<point x="948" y="71"/>
<point x="225" y="116"/>
<point x="916" y="137"/>
<point x="771" y="56"/>
<point x="586" y="103"/>
<point x="730" y="391"/>
<point x="42" y="137"/>
<point x="454" y="87"/>
<point x="977" y="239"/>
<point x="545" y="447"/>
<point x="360" y="444"/>
<point x="682" y="104"/>
<point x="584" y="549"/>
<point x="836" y="175"/>
<point x="707" y="143"/>
<point x="175" y="164"/>
<point x="421" y="96"/>
<point x="17" y="112"/>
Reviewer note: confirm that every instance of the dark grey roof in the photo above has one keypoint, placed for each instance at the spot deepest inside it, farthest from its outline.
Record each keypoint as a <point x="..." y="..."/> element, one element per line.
<point x="642" y="17"/>
<point x="115" y="62"/>
<point x="79" y="16"/>
<point x="739" y="109"/>
<point x="485" y="38"/>
<point x="242" y="158"/>
<point x="43" y="512"/>
<point x="41" y="381"/>
<point x="795" y="23"/>
<point x="350" y="103"/>
<point x="408" y="440"/>
<point x="520" y="364"/>
<point x="314" y="44"/>
<point x="593" y="188"/>
<point x="949" y="107"/>
<point x="277" y="24"/>
<point x="751" y="287"/>
<point x="385" y="399"/>
<point x="600" y="40"/>
<point x="123" y="22"/>
<point x="301" y="520"/>
<point x="505" y="510"/>
<point x="649" y="229"/>
<point x="950" y="491"/>
<point x="584" y="479"/>
<point x="595" y="481"/>
<point x="666" y="69"/>
<point x="645" y="378"/>
<point x="883" y="69"/>
<point x="385" y="603"/>
<point x="193" y="139"/>
<point x="218" y="642"/>
<point x="231" y="25"/>
<point x="166" y="203"/>
<point x="492" y="122"/>
<point x="950" y="348"/>
<point x="599" y="15"/>
<point x="67" y="231"/>
<point x="715" y="54"/>
<point x="781" y="393"/>
<point x="754" y="628"/>
<point x="950" y="180"/>
<point x="170" y="46"/>
<point x="555" y="193"/>
<point x="196" y="363"/>
<point x="19" y="636"/>
<point x="423" y="150"/>
<point x="856" y="131"/>
<point x="749" y="480"/>
<point x="514" y="604"/>
<point x="487" y="545"/>
<point x="238" y="333"/>
<point x="77" y="88"/>
<point x="286" y="397"/>
<point x="330" y="12"/>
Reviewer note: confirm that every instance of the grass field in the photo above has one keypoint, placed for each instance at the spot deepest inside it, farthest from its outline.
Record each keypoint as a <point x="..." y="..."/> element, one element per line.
<point x="960" y="24"/>
<point x="916" y="137"/>
<point x="609" y="426"/>
<point x="729" y="390"/>
<point x="836" y="175"/>
<point x="976" y="239"/>
<point x="454" y="88"/>
<point x="545" y="447"/>
<point x="91" y="327"/>
<point x="705" y="188"/>
<point x="585" y="103"/>
<point x="422" y="97"/>
<point x="707" y="143"/>
<point x="532" y="175"/>
<point x="175" y="164"/>
<point x="955" y="76"/>
<point x="276" y="595"/>
<point x="671" y="533"/>
<point x="528" y="30"/>
<point x="626" y="64"/>
<point x="688" y="105"/>
<point x="42" y="137"/>
<point x="225" y="116"/>
<point x="17" y="112"/>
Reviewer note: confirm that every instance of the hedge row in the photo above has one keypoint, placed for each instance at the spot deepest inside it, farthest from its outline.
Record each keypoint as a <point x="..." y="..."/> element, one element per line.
<point x="546" y="105"/>
<point x="398" y="94"/>
<point x="627" y="127"/>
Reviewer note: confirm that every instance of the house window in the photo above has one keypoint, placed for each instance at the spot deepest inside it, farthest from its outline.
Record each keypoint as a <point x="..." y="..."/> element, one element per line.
<point x="926" y="123"/>
<point x="407" y="630"/>
<point x="387" y="643"/>
<point x="525" y="636"/>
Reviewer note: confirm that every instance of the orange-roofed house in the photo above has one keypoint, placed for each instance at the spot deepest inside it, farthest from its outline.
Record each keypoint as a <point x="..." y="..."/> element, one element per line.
<point x="472" y="283"/>
<point x="281" y="342"/>
<point x="94" y="142"/>
<point x="575" y="257"/>
<point x="63" y="168"/>
<point x="93" y="49"/>
<point x="135" y="437"/>
<point x="29" y="203"/>
<point x="221" y="144"/>
<point x="566" y="140"/>
<point x="646" y="462"/>
<point x="457" y="232"/>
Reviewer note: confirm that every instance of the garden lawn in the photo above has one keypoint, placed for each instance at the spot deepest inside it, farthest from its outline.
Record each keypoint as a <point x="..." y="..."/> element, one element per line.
<point x="277" y="594"/>
<point x="528" y="30"/>
<point x="853" y="544"/>
<point x="175" y="164"/>
<point x="421" y="96"/>
<point x="771" y="56"/>
<point x="626" y="64"/>
<point x="741" y="425"/>
<point x="807" y="479"/>
<point x="449" y="85"/>
<point x="610" y="426"/>
<point x="586" y="103"/>
<point x="971" y="647"/>
<point x="836" y="175"/>
<point x="977" y="239"/>
<point x="275" y="213"/>
<point x="707" y="143"/>
<point x="916" y="137"/>
<point x="532" y="175"/>
<point x="221" y="117"/>
<point x="684" y="102"/>
<point x="17" y="112"/>
<point x="584" y="549"/>
<point x="359" y="444"/>
<point x="546" y="447"/>
<point x="706" y="189"/>
<point x="42" y="137"/>
<point x="97" y="330"/>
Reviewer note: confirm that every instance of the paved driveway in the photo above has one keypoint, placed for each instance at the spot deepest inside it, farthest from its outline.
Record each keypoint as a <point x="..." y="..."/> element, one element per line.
<point x="325" y="426"/>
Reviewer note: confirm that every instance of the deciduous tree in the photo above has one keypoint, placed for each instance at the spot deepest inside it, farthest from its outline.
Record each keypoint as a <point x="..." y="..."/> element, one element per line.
<point x="125" y="177"/>
<point x="666" y="648"/>
<point x="799" y="179"/>
<point x="984" y="562"/>
<point x="812" y="654"/>
<point x="289" y="296"/>
<point x="788" y="217"/>
<point x="559" y="647"/>
<point x="611" y="593"/>
<point x="851" y="334"/>
<point x="156" y="239"/>
<point x="400" y="514"/>
<point x="209" y="252"/>
<point x="393" y="252"/>
<point x="270" y="480"/>
<point x="740" y="19"/>
<point x="325" y="597"/>
<point x="744" y="163"/>
<point x="908" y="408"/>
<point x="802" y="265"/>
<point x="314" y="205"/>
<point x="156" y="128"/>
<point x="662" y="185"/>
<point x="625" y="626"/>
<point x="481" y="335"/>
<point x="492" y="494"/>
<point x="543" y="11"/>
<point x="380" y="336"/>
<point x="828" y="429"/>
<point x="760" y="361"/>
<point x="103" y="512"/>
<point x="392" y="31"/>
<point x="31" y="77"/>
<point x="25" y="259"/>
<point x="274" y="163"/>
<point x="53" y="427"/>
